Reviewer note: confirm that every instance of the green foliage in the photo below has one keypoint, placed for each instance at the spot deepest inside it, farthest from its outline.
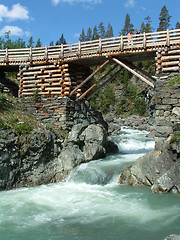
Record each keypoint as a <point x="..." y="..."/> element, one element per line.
<point x="146" y="27"/>
<point x="103" y="100"/>
<point x="109" y="32"/>
<point x="177" y="25"/>
<point x="174" y="81"/>
<point x="175" y="137"/>
<point x="128" y="26"/>
<point x="101" y="30"/>
<point x="95" y="33"/>
<point x="30" y="42"/>
<point x="38" y="44"/>
<point x="89" y="34"/>
<point x="164" y="19"/>
<point x="61" y="40"/>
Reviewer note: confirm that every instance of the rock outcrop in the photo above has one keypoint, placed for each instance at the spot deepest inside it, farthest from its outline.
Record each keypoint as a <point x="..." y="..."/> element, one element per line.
<point x="44" y="156"/>
<point x="160" y="168"/>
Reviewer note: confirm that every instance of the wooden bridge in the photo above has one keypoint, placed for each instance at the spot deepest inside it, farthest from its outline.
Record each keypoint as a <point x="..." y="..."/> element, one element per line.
<point x="65" y="69"/>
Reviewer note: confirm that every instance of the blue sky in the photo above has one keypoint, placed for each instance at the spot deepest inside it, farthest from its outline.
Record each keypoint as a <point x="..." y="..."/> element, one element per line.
<point x="48" y="19"/>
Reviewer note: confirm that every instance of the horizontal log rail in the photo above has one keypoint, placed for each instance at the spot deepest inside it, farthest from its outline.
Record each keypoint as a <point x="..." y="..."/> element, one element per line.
<point x="104" y="46"/>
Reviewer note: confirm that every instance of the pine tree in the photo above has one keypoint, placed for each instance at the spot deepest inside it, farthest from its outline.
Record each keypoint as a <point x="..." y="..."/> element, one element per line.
<point x="30" y="42"/>
<point x="82" y="37"/>
<point x="177" y="25"/>
<point x="19" y="43"/>
<point x="89" y="34"/>
<point x="95" y="33"/>
<point x="164" y="19"/>
<point x="146" y="27"/>
<point x="38" y="44"/>
<point x="101" y="30"/>
<point x="109" y="32"/>
<point x="61" y="40"/>
<point x="51" y="43"/>
<point x="128" y="26"/>
<point x="8" y="43"/>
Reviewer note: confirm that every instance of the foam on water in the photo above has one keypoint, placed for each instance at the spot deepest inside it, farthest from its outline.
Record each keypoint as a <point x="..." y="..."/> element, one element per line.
<point x="91" y="205"/>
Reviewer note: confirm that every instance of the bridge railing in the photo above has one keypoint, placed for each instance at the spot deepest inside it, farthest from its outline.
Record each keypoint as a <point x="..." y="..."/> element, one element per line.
<point x="89" y="48"/>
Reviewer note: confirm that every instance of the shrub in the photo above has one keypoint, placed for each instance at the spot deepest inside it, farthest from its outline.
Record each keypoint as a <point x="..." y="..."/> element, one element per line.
<point x="175" y="137"/>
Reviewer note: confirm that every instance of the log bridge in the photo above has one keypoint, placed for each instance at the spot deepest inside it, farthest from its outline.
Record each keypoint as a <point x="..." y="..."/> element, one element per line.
<point x="65" y="70"/>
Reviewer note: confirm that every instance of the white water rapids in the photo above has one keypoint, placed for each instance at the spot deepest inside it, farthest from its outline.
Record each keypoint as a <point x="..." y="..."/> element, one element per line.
<point x="91" y="204"/>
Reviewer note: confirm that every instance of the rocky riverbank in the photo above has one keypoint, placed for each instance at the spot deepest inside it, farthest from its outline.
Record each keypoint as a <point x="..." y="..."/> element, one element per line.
<point x="160" y="168"/>
<point x="46" y="155"/>
<point x="136" y="122"/>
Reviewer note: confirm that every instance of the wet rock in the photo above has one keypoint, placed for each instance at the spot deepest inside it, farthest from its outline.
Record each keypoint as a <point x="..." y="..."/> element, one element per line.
<point x="173" y="237"/>
<point x="156" y="169"/>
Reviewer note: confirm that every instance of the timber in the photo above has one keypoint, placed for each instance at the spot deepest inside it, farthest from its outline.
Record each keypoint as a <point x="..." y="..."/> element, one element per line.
<point x="133" y="72"/>
<point x="88" y="78"/>
<point x="64" y="70"/>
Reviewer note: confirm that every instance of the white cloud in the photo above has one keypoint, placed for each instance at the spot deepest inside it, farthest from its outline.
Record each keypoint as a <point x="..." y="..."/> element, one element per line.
<point x="77" y="35"/>
<point x="17" y="12"/>
<point x="14" y="30"/>
<point x="92" y="2"/>
<point x="129" y="3"/>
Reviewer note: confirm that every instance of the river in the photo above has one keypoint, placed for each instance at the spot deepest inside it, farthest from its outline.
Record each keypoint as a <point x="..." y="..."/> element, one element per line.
<point x="91" y="204"/>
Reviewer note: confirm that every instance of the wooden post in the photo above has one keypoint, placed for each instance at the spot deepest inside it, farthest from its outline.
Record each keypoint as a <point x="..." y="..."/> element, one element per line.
<point x="100" y="46"/>
<point x="122" y="43"/>
<point x="61" y="54"/>
<point x="88" y="78"/>
<point x="30" y="54"/>
<point x="79" y="48"/>
<point x="167" y="38"/>
<point x="6" y="56"/>
<point x="46" y="53"/>
<point x="144" y="40"/>
<point x="133" y="72"/>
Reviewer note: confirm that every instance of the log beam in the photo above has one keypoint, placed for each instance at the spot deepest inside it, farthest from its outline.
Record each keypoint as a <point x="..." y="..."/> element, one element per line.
<point x="133" y="72"/>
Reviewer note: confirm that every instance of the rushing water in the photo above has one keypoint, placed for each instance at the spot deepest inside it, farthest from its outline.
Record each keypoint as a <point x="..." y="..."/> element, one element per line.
<point x="91" y="204"/>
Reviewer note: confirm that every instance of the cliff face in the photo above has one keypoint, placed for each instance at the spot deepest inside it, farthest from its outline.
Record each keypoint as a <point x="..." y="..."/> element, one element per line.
<point x="160" y="168"/>
<point x="44" y="156"/>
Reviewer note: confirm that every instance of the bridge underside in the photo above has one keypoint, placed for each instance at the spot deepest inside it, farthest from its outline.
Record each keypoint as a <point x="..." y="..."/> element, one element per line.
<point x="72" y="77"/>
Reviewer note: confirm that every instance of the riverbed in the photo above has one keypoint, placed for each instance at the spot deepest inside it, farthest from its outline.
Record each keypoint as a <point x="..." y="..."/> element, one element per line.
<point x="91" y="204"/>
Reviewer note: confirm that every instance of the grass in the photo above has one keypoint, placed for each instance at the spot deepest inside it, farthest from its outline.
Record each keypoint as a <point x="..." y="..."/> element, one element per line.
<point x="12" y="116"/>
<point x="174" y="81"/>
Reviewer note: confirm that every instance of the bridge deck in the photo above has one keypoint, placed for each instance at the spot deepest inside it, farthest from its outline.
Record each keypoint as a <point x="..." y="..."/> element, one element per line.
<point x="140" y="47"/>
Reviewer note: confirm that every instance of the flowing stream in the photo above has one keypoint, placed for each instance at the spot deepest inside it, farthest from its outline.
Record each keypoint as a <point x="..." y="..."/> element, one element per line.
<point x="91" y="204"/>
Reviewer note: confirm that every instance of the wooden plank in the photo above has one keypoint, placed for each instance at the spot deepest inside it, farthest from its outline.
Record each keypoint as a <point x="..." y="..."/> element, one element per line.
<point x="140" y="70"/>
<point x="133" y="72"/>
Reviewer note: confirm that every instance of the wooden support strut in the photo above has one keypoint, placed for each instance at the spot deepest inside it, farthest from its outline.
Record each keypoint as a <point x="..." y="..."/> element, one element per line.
<point x="98" y="81"/>
<point x="104" y="83"/>
<point x="140" y="70"/>
<point x="133" y="72"/>
<point x="88" y="78"/>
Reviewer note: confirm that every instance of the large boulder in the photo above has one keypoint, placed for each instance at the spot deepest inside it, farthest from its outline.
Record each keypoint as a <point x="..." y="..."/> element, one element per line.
<point x="158" y="169"/>
<point x="83" y="144"/>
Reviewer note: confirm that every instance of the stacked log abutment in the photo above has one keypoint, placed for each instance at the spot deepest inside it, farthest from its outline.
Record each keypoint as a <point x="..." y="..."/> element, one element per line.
<point x="168" y="60"/>
<point x="41" y="79"/>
